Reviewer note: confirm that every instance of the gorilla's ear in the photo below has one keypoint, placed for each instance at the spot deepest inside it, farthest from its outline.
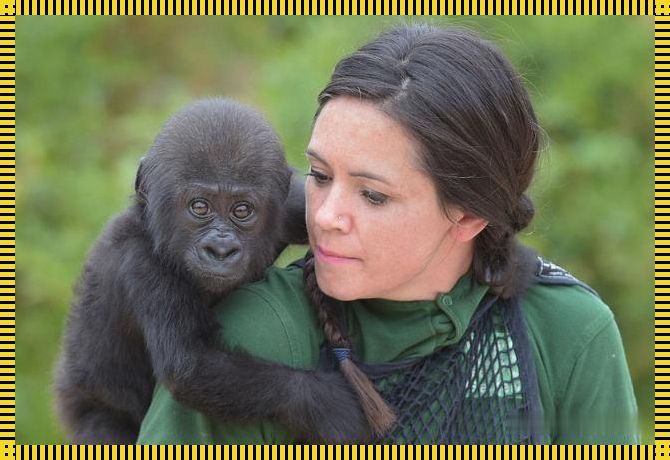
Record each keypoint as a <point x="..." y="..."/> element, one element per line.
<point x="140" y="189"/>
<point x="294" y="227"/>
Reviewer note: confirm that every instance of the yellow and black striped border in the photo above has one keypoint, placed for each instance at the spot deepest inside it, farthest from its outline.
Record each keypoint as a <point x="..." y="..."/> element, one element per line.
<point x="662" y="225"/>
<point x="340" y="452"/>
<point x="331" y="7"/>
<point x="10" y="8"/>
<point x="7" y="229"/>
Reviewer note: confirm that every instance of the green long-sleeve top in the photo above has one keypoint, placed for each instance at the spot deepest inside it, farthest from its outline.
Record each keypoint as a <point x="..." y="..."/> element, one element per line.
<point x="584" y="383"/>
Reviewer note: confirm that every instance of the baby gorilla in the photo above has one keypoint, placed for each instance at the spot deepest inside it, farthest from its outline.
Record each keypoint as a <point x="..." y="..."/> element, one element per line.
<point x="215" y="204"/>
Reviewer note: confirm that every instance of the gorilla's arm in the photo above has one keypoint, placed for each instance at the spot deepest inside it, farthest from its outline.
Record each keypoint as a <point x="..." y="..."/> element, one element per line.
<point x="317" y="406"/>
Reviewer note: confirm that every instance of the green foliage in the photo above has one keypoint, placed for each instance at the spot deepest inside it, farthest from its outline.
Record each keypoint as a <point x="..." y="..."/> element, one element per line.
<point x="92" y="93"/>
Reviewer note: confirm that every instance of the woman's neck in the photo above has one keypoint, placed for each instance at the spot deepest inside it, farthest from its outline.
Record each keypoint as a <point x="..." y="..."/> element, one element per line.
<point x="440" y="274"/>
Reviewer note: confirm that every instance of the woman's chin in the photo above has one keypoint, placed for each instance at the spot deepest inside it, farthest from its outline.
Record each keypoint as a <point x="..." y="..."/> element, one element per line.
<point x="339" y="288"/>
<point x="341" y="296"/>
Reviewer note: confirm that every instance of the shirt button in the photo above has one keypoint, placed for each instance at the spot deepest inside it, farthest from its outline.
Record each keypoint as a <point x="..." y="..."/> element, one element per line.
<point x="445" y="301"/>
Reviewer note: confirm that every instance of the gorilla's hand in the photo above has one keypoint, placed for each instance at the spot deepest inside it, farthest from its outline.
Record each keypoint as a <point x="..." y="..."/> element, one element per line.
<point x="324" y="409"/>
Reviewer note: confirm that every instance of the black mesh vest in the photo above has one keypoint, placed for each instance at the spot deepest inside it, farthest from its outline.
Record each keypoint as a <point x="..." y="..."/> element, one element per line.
<point x="480" y="390"/>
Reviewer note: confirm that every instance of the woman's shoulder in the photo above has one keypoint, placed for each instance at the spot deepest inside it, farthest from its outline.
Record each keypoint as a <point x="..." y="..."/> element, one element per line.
<point x="272" y="319"/>
<point x="583" y="377"/>
<point x="565" y="306"/>
<point x="566" y="322"/>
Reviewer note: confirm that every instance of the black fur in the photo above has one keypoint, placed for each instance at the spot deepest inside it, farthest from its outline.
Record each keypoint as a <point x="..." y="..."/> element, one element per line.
<point x="142" y="312"/>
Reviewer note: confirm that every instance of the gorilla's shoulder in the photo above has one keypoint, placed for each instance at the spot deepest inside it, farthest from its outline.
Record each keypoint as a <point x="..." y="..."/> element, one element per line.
<point x="272" y="319"/>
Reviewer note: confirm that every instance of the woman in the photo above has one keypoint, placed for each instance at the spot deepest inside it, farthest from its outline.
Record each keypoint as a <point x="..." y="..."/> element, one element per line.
<point x="423" y="146"/>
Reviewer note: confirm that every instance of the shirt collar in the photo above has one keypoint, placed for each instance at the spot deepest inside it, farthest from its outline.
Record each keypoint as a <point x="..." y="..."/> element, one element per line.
<point x="460" y="303"/>
<point x="454" y="308"/>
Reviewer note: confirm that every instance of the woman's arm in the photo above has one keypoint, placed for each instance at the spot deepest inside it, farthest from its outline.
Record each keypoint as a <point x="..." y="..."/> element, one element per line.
<point x="598" y="405"/>
<point x="585" y="386"/>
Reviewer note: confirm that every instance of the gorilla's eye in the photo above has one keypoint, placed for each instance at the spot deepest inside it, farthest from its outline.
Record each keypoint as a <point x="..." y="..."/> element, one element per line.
<point x="242" y="211"/>
<point x="200" y="208"/>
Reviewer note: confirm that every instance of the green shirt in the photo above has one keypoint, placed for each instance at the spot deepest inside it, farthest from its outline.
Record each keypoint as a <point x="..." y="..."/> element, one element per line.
<point x="585" y="387"/>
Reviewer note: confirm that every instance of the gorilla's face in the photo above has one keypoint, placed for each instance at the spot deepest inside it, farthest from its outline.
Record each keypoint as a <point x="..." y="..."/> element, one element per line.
<point x="212" y="186"/>
<point x="222" y="233"/>
<point x="219" y="228"/>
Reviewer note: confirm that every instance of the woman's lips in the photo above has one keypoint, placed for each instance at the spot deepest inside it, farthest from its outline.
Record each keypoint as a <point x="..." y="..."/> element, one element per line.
<point x="323" y="255"/>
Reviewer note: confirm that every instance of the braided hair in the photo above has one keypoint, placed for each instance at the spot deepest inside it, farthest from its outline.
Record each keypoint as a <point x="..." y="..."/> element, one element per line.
<point x="378" y="413"/>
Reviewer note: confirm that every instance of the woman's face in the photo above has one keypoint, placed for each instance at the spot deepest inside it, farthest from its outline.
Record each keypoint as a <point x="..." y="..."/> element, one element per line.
<point x="375" y="224"/>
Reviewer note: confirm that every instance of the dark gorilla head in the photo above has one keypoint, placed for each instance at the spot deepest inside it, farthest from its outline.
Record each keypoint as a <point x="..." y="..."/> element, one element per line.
<point x="212" y="188"/>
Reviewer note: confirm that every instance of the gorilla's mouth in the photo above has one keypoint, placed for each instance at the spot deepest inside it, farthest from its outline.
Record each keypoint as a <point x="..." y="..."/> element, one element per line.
<point x="223" y="257"/>
<point x="218" y="266"/>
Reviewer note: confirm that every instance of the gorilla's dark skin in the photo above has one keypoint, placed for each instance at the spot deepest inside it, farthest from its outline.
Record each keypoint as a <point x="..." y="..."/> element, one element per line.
<point x="142" y="310"/>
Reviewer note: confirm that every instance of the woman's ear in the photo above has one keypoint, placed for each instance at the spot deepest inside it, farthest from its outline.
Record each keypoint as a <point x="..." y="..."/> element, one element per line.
<point x="468" y="226"/>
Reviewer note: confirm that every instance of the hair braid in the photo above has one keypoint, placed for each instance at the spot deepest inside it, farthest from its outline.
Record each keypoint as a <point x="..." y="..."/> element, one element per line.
<point x="325" y="307"/>
<point x="378" y="413"/>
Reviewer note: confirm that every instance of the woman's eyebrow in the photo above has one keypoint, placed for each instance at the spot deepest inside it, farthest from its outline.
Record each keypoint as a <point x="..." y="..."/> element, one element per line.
<point x="313" y="154"/>
<point x="370" y="175"/>
<point x="366" y="174"/>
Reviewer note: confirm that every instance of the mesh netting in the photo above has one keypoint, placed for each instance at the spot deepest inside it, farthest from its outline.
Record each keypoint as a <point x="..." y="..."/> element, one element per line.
<point x="481" y="390"/>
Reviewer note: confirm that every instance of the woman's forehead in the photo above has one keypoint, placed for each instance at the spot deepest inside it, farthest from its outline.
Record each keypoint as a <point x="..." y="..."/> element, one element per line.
<point x="356" y="133"/>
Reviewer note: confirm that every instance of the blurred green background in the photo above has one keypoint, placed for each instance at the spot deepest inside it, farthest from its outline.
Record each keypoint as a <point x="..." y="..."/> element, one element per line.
<point x="92" y="93"/>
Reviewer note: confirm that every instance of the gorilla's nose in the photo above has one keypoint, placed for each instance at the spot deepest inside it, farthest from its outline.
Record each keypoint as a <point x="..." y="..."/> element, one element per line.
<point x="221" y="248"/>
<point x="220" y="252"/>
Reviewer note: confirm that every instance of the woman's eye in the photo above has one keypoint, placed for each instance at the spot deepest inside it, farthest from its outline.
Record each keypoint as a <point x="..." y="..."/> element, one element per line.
<point x="242" y="211"/>
<point x="319" y="178"/>
<point x="374" y="198"/>
<point x="200" y="208"/>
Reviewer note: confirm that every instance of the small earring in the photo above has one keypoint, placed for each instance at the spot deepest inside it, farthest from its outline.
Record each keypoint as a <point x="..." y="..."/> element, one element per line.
<point x="339" y="219"/>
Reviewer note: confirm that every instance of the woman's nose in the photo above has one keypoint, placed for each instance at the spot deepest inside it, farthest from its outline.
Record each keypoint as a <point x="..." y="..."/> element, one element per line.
<point x="332" y="213"/>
